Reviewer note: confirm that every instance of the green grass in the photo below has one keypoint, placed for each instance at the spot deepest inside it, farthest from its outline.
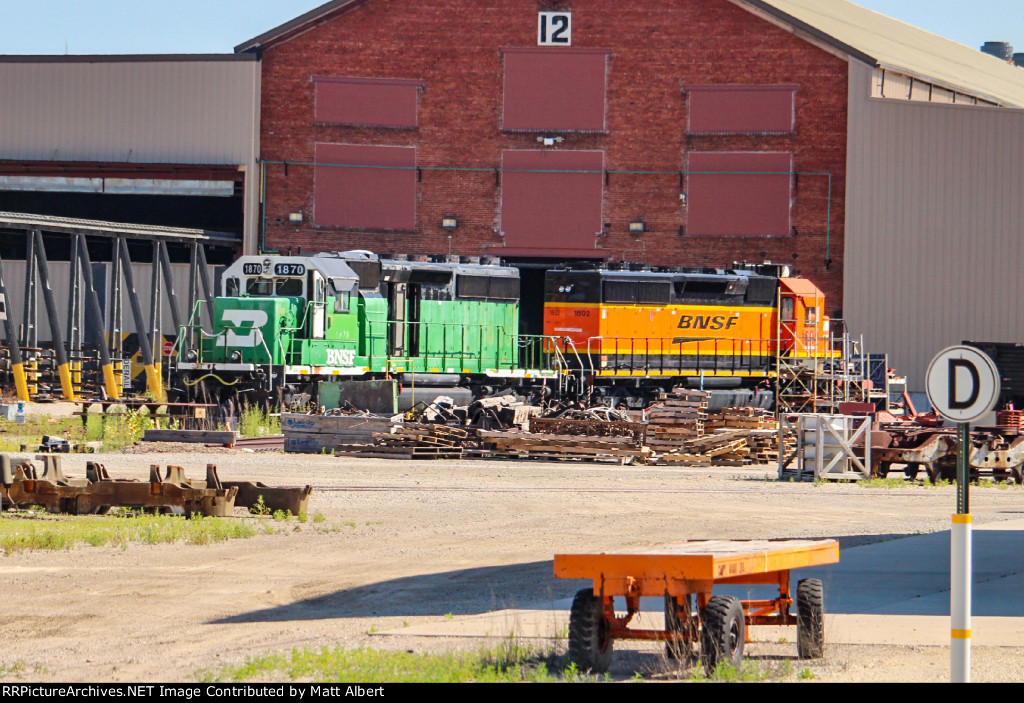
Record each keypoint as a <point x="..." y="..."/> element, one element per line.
<point x="512" y="661"/>
<point x="20" y="532"/>
<point x="747" y="671"/>
<point x="885" y="483"/>
<point x="256" y="422"/>
<point x="117" y="431"/>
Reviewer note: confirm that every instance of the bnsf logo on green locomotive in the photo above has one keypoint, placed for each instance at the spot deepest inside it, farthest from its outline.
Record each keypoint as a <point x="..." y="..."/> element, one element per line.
<point x="706" y="322"/>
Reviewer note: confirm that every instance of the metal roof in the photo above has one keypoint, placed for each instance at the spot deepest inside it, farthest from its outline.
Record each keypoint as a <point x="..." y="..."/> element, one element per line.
<point x="891" y="44"/>
<point x="67" y="225"/>
<point x="849" y="28"/>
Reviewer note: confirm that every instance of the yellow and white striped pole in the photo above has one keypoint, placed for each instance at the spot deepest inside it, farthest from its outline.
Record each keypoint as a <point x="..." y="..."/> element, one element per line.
<point x="960" y="600"/>
<point x="960" y="566"/>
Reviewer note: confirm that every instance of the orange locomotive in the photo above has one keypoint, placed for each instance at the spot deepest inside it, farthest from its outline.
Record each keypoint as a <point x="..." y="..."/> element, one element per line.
<point x="647" y="329"/>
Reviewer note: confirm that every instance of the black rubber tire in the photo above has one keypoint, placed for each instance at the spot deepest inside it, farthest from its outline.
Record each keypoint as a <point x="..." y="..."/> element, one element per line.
<point x="722" y="633"/>
<point x="678" y="620"/>
<point x="590" y="646"/>
<point x="810" y="619"/>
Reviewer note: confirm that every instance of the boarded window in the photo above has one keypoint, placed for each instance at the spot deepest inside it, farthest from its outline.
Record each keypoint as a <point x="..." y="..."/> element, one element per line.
<point x="372" y="102"/>
<point x="738" y="193"/>
<point x="369" y="187"/>
<point x="551" y="201"/>
<point x="741" y="109"/>
<point x="554" y="90"/>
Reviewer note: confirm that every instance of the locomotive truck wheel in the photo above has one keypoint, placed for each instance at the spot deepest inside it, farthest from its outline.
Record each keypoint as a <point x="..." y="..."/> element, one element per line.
<point x="883" y="469"/>
<point x="590" y="645"/>
<point x="723" y="632"/>
<point x="810" y="619"/>
<point x="910" y="471"/>
<point x="678" y="620"/>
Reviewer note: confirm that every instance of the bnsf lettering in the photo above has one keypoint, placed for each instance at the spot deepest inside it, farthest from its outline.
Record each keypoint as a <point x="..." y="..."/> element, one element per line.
<point x="706" y="322"/>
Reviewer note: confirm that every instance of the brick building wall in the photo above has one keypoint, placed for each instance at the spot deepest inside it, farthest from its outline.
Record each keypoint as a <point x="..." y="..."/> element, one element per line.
<point x="453" y="48"/>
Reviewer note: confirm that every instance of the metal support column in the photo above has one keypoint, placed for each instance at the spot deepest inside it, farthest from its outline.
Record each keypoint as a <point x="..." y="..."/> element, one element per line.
<point x="63" y="367"/>
<point x="30" y="319"/>
<point x="74" y="339"/>
<point x="152" y="373"/>
<point x="155" y="311"/>
<point x="111" y="383"/>
<point x="17" y="364"/>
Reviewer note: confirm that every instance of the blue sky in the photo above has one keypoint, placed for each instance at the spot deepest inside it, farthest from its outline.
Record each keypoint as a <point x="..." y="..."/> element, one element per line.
<point x="216" y="26"/>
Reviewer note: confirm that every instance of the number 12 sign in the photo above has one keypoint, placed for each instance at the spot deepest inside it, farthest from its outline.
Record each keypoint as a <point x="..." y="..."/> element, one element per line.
<point x="554" y="29"/>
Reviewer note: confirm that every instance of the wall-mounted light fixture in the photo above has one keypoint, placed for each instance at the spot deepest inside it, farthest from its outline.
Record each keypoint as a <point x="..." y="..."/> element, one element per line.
<point x="637" y="227"/>
<point x="295" y="218"/>
<point x="449" y="222"/>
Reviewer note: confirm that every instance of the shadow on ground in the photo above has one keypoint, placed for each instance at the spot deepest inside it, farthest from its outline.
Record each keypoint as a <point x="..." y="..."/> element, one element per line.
<point x="462" y="592"/>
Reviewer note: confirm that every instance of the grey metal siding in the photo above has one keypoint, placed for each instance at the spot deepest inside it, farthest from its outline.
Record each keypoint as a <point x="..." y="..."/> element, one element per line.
<point x="150" y="109"/>
<point x="198" y="112"/>
<point x="934" y="215"/>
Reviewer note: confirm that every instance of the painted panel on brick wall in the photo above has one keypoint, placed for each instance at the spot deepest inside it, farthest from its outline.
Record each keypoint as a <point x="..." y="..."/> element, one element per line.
<point x="738" y="193"/>
<point x="551" y="213"/>
<point x="371" y="187"/>
<point x="561" y="90"/>
<point x="372" y="102"/>
<point x="741" y="109"/>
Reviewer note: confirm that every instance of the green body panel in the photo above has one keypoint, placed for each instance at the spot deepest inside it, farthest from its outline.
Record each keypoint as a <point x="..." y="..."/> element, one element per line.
<point x="234" y="320"/>
<point x="451" y="336"/>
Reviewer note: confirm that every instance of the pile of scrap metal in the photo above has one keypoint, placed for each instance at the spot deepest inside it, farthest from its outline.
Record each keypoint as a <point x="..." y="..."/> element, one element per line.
<point x="494" y="412"/>
<point x="996" y="452"/>
<point x="23" y="485"/>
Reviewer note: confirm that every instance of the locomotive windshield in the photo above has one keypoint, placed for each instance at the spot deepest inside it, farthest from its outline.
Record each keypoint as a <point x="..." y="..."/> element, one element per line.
<point x="274" y="286"/>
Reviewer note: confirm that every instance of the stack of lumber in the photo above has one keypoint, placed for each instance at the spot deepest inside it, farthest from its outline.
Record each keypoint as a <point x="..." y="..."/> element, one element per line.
<point x="742" y="418"/>
<point x="410" y="441"/>
<point x="536" y="445"/>
<point x="727" y="448"/>
<point x="589" y="428"/>
<point x="313" y="434"/>
<point x="676" y="420"/>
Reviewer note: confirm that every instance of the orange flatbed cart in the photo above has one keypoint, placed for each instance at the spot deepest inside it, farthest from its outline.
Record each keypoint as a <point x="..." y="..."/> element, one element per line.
<point x="717" y="624"/>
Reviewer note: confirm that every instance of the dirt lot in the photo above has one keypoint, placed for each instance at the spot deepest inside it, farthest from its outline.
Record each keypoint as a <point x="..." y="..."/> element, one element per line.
<point x="407" y="543"/>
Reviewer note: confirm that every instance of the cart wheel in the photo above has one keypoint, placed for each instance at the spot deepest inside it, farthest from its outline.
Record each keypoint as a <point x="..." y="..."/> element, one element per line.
<point x="590" y="645"/>
<point x="810" y="619"/>
<point x="723" y="634"/>
<point x="678" y="620"/>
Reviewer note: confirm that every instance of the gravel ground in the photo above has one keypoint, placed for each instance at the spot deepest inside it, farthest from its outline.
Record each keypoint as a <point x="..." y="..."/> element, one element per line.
<point x="409" y="542"/>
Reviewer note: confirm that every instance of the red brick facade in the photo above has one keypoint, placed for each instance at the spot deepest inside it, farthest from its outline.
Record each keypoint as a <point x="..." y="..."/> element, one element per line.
<point x="655" y="48"/>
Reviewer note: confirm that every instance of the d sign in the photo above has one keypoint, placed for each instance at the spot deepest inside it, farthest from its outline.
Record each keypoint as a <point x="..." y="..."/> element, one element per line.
<point x="962" y="383"/>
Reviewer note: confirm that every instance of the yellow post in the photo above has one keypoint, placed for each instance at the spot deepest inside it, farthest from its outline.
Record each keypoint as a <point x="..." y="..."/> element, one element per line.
<point x="66" y="385"/>
<point x="153" y="382"/>
<point x="111" y="382"/>
<point x="20" y="381"/>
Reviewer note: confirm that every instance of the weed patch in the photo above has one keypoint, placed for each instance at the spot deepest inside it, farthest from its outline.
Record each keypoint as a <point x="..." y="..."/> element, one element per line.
<point x="19" y="533"/>
<point x="511" y="661"/>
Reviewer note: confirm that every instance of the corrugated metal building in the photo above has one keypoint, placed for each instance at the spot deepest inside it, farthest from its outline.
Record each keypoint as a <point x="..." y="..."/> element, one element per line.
<point x="163" y="140"/>
<point x="934" y="211"/>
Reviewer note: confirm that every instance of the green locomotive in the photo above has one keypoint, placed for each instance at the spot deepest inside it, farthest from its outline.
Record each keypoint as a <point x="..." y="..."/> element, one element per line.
<point x="283" y="324"/>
